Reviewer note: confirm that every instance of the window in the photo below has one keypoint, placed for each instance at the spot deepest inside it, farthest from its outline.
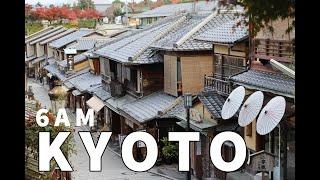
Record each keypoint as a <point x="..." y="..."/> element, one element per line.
<point x="226" y="66"/>
<point x="102" y="66"/>
<point x="179" y="69"/>
<point x="179" y="78"/>
<point x="133" y="80"/>
<point x="113" y="70"/>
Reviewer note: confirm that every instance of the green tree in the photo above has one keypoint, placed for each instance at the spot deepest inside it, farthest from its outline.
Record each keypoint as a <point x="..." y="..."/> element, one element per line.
<point x="117" y="12"/>
<point x="85" y="4"/>
<point x="261" y="12"/>
<point x="116" y="2"/>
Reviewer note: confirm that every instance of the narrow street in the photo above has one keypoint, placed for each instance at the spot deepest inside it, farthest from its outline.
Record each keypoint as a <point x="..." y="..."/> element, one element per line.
<point x="112" y="165"/>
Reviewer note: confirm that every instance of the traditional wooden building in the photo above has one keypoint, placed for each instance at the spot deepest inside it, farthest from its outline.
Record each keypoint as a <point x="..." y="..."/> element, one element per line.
<point x="48" y="51"/>
<point x="42" y="49"/>
<point x="261" y="75"/>
<point x="133" y="75"/>
<point x="151" y="16"/>
<point x="33" y="56"/>
<point x="60" y="44"/>
<point x="205" y="117"/>
<point x="57" y="65"/>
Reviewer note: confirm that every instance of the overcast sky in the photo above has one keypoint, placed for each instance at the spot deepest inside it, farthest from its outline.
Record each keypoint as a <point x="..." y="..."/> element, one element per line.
<point x="59" y="2"/>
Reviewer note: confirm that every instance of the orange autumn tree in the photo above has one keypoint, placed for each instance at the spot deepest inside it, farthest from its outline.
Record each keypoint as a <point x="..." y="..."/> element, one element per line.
<point x="32" y="130"/>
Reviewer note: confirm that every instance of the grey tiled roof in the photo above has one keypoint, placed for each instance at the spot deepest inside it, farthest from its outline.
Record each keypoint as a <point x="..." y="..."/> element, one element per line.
<point x="177" y="111"/>
<point x="48" y="36"/>
<point x="213" y="102"/>
<point x="77" y="58"/>
<point x="44" y="33"/>
<point x="57" y="36"/>
<point x="38" y="32"/>
<point x="51" y="60"/>
<point x="54" y="70"/>
<point x="83" y="44"/>
<point x="68" y="85"/>
<point x="128" y="46"/>
<point x="224" y="28"/>
<point x="276" y="83"/>
<point x="101" y="93"/>
<point x="85" y="82"/>
<point x="116" y="104"/>
<point x="172" y="9"/>
<point x="168" y="41"/>
<point x="70" y="38"/>
<point x="147" y="108"/>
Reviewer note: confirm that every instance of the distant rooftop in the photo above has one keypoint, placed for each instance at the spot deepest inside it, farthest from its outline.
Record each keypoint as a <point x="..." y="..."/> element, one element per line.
<point x="172" y="9"/>
<point x="71" y="38"/>
<point x="42" y="33"/>
<point x="136" y="48"/>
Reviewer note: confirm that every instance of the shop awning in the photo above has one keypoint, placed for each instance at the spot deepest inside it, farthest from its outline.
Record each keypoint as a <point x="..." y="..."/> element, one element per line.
<point x="76" y="92"/>
<point x="95" y="103"/>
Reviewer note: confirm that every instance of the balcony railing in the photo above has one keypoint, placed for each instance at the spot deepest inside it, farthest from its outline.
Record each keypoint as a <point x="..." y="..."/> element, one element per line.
<point x="280" y="50"/>
<point x="220" y="86"/>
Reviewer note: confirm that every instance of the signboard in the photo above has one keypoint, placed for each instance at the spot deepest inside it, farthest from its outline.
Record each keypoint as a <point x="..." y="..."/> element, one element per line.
<point x="262" y="161"/>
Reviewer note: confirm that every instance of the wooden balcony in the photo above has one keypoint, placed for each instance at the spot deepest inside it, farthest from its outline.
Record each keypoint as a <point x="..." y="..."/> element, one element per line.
<point x="220" y="86"/>
<point x="280" y="50"/>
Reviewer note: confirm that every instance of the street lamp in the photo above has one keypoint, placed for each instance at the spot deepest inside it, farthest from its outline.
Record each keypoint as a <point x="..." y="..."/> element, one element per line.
<point x="188" y="104"/>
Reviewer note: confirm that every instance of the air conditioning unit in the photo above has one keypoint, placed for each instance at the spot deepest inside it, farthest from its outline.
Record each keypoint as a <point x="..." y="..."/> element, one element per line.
<point x="117" y="89"/>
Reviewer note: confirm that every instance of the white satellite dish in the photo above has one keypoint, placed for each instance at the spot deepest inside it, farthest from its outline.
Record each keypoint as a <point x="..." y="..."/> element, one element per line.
<point x="271" y="115"/>
<point x="250" y="108"/>
<point x="233" y="103"/>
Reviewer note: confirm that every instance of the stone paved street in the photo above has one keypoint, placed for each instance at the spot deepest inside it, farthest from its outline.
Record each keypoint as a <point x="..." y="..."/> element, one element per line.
<point x="40" y="93"/>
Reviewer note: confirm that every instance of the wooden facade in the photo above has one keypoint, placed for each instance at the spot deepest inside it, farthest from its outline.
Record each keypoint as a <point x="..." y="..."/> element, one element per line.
<point x="184" y="72"/>
<point x="253" y="140"/>
<point x="229" y="60"/>
<point x="137" y="80"/>
<point x="193" y="69"/>
<point x="170" y="75"/>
